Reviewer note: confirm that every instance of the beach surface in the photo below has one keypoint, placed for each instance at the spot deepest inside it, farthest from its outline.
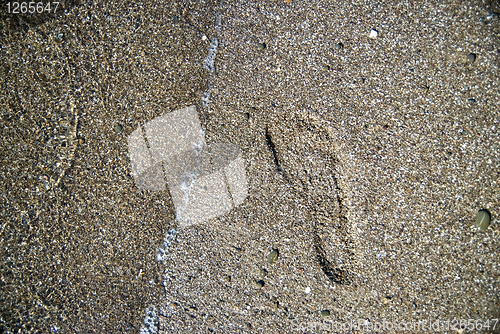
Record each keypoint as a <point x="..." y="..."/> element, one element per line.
<point x="369" y="134"/>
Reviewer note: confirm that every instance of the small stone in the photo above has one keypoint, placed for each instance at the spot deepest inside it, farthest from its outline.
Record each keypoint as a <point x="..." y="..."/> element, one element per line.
<point x="325" y="313"/>
<point x="373" y="33"/>
<point x="273" y="256"/>
<point x="176" y="19"/>
<point x="262" y="273"/>
<point x="262" y="46"/>
<point x="483" y="219"/>
<point x="471" y="100"/>
<point x="247" y="115"/>
<point x="259" y="284"/>
<point x="228" y="278"/>
<point x="471" y="58"/>
<point x="253" y="109"/>
<point x="307" y="290"/>
<point x="339" y="46"/>
<point x="492" y="15"/>
<point x="276" y="305"/>
<point x="118" y="128"/>
<point x="326" y="67"/>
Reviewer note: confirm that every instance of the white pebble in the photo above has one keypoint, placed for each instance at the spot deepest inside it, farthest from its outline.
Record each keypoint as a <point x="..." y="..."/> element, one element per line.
<point x="373" y="33"/>
<point x="204" y="38"/>
<point x="307" y="290"/>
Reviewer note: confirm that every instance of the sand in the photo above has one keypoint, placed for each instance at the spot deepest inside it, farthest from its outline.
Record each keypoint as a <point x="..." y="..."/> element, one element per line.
<point x="366" y="162"/>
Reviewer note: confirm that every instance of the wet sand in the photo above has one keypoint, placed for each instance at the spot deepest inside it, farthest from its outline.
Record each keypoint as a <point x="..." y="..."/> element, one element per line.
<point x="367" y="161"/>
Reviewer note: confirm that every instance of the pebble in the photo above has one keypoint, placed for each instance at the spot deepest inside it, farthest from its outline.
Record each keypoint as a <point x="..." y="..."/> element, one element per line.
<point x="325" y="313"/>
<point x="471" y="100"/>
<point x="247" y="115"/>
<point x="276" y="305"/>
<point x="273" y="256"/>
<point x="307" y="290"/>
<point x="326" y="67"/>
<point x="228" y="278"/>
<point x="339" y="46"/>
<point x="45" y="182"/>
<point x="483" y="219"/>
<point x="176" y="19"/>
<point x="118" y="128"/>
<point x="263" y="273"/>
<point x="492" y="15"/>
<point x="259" y="284"/>
<point x="373" y="33"/>
<point x="262" y="46"/>
<point x="471" y="58"/>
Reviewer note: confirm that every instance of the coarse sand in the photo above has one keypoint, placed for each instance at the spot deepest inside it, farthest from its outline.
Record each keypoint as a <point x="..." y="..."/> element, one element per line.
<point x="368" y="156"/>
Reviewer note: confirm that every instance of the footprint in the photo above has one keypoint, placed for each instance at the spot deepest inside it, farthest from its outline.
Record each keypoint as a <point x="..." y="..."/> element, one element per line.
<point x="66" y="119"/>
<point x="305" y="151"/>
